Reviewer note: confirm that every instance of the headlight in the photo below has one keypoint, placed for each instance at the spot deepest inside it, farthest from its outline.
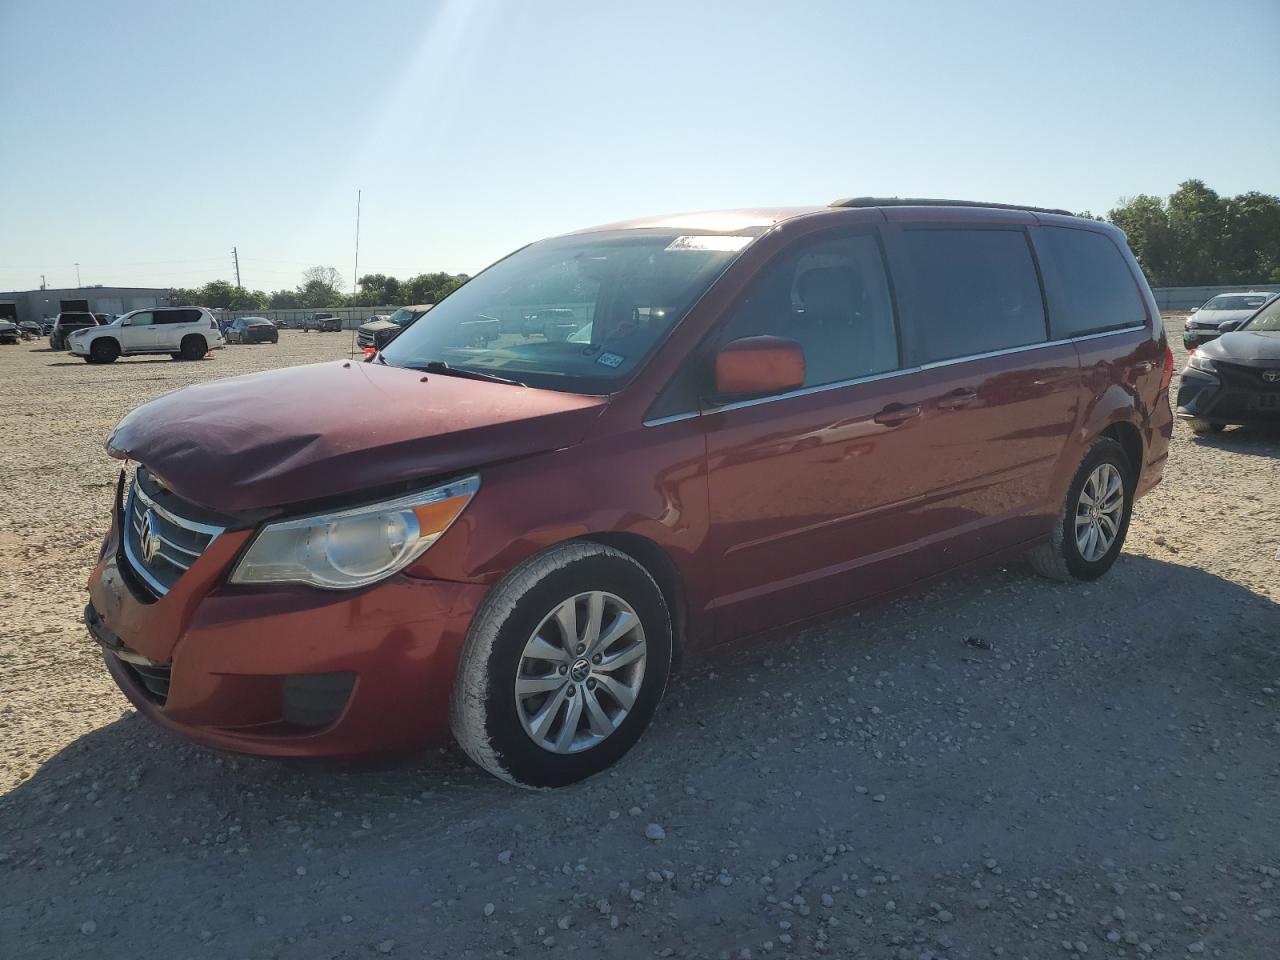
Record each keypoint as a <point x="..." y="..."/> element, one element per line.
<point x="1199" y="362"/>
<point x="354" y="548"/>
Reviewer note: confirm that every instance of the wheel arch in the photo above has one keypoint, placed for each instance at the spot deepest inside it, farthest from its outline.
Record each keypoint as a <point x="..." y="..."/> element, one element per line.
<point x="1130" y="439"/>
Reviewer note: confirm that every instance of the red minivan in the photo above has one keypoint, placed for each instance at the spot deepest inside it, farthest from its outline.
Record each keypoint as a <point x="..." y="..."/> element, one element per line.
<point x="761" y="416"/>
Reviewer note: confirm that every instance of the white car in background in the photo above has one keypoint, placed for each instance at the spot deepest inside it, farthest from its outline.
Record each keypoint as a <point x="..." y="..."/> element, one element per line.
<point x="185" y="333"/>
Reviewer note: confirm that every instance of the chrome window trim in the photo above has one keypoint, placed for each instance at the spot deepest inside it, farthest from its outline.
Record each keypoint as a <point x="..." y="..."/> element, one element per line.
<point x="838" y="384"/>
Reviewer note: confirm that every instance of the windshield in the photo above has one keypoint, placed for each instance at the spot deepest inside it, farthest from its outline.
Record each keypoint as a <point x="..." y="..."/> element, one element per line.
<point x="1267" y="320"/>
<point x="1229" y="302"/>
<point x="401" y="316"/>
<point x="577" y="313"/>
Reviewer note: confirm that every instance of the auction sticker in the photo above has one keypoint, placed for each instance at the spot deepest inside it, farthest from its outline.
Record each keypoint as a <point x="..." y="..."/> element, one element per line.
<point x="610" y="359"/>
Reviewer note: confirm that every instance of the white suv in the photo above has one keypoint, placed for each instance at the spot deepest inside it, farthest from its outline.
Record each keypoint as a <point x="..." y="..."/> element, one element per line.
<point x="185" y="333"/>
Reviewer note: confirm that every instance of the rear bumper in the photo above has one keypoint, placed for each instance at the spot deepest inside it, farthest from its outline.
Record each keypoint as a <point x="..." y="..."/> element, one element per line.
<point x="292" y="672"/>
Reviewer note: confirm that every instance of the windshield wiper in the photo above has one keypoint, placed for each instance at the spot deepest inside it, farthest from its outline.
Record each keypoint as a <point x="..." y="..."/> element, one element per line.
<point x="439" y="366"/>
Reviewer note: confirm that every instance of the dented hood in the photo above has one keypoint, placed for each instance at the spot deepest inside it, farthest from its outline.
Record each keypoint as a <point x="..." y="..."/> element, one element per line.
<point x="303" y="433"/>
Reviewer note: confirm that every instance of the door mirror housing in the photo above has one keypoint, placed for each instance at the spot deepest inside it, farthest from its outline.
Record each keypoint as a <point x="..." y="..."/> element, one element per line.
<point x="758" y="367"/>
<point x="1228" y="325"/>
<point x="124" y="321"/>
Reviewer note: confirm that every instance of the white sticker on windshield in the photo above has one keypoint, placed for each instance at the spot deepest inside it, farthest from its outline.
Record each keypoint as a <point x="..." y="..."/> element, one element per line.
<point x="718" y="244"/>
<point x="610" y="359"/>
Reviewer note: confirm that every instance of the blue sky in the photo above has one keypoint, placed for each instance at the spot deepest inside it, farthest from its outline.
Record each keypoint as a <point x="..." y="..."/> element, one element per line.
<point x="144" y="140"/>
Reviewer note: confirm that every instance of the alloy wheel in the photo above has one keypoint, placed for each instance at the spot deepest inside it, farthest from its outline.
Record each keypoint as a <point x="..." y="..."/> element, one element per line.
<point x="1099" y="511"/>
<point x="580" y="672"/>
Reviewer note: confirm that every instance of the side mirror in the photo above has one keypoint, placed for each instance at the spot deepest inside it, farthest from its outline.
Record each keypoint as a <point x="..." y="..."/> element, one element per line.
<point x="124" y="322"/>
<point x="1228" y="325"/>
<point x="759" y="367"/>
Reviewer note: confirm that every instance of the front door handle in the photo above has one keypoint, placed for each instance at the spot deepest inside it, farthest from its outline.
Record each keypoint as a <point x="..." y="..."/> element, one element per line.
<point x="957" y="399"/>
<point x="896" y="413"/>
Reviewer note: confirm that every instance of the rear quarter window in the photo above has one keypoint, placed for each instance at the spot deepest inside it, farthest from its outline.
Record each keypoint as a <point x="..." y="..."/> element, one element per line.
<point x="1095" y="290"/>
<point x="976" y="291"/>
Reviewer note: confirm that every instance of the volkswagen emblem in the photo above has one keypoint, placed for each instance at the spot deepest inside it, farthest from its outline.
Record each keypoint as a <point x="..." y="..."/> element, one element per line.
<point x="1271" y="376"/>
<point x="150" y="537"/>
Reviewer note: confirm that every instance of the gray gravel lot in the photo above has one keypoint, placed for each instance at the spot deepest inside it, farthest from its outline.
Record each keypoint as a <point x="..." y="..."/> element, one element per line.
<point x="1097" y="773"/>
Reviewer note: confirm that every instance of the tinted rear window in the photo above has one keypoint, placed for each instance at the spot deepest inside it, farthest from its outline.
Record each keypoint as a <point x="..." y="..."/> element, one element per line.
<point x="1098" y="292"/>
<point x="977" y="292"/>
<point x="177" y="316"/>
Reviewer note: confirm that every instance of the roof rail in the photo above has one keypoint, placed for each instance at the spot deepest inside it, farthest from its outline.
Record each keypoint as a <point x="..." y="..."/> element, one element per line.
<point x="919" y="202"/>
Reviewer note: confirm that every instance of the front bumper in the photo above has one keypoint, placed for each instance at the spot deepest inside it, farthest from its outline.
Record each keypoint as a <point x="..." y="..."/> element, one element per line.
<point x="1195" y="338"/>
<point x="1225" y="398"/>
<point x="283" y="672"/>
<point x="78" y="345"/>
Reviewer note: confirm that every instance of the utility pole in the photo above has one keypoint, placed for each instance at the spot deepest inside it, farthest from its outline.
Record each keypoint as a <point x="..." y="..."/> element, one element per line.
<point x="78" y="283"/>
<point x="355" y="271"/>
<point x="235" y="255"/>
<point x="44" y="284"/>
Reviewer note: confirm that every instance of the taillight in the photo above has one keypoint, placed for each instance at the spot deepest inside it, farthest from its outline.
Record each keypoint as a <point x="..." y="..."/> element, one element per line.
<point x="1166" y="375"/>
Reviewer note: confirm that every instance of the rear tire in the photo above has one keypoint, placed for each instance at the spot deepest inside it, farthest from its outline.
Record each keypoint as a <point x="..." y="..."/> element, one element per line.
<point x="175" y="356"/>
<point x="104" y="350"/>
<point x="193" y="347"/>
<point x="516" y="644"/>
<point x="1063" y="557"/>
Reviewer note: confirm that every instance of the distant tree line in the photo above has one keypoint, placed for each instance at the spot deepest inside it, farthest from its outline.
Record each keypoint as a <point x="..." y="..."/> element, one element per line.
<point x="1198" y="237"/>
<point x="322" y="287"/>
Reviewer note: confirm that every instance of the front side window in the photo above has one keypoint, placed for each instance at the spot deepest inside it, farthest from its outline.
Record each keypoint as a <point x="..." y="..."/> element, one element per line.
<point x="143" y="319"/>
<point x="609" y="299"/>
<point x="977" y="292"/>
<point x="830" y="295"/>
<point x="1097" y="290"/>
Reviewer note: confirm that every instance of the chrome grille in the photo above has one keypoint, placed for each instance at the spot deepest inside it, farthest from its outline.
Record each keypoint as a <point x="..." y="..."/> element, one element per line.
<point x="364" y="339"/>
<point x="159" y="544"/>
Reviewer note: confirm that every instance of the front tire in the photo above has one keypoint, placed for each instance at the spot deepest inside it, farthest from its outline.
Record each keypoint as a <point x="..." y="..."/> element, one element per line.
<point x="1095" y="517"/>
<point x="563" y="667"/>
<point x="104" y="350"/>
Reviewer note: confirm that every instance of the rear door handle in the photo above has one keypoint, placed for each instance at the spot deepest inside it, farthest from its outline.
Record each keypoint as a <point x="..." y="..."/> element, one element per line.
<point x="896" y="413"/>
<point x="957" y="399"/>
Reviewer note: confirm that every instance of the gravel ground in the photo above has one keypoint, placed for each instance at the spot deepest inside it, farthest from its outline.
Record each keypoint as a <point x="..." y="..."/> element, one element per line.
<point x="999" y="766"/>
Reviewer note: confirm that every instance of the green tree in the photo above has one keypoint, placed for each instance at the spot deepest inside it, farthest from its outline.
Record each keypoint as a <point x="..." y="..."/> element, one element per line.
<point x="1251" y="238"/>
<point x="321" y="287"/>
<point x="284" y="300"/>
<point x="430" y="287"/>
<point x="1197" y="220"/>
<point x="216" y="294"/>
<point x="377" y="289"/>
<point x="1146" y="225"/>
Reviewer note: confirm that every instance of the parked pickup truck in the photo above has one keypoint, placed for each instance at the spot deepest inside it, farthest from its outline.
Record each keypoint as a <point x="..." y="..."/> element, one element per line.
<point x="322" y="322"/>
